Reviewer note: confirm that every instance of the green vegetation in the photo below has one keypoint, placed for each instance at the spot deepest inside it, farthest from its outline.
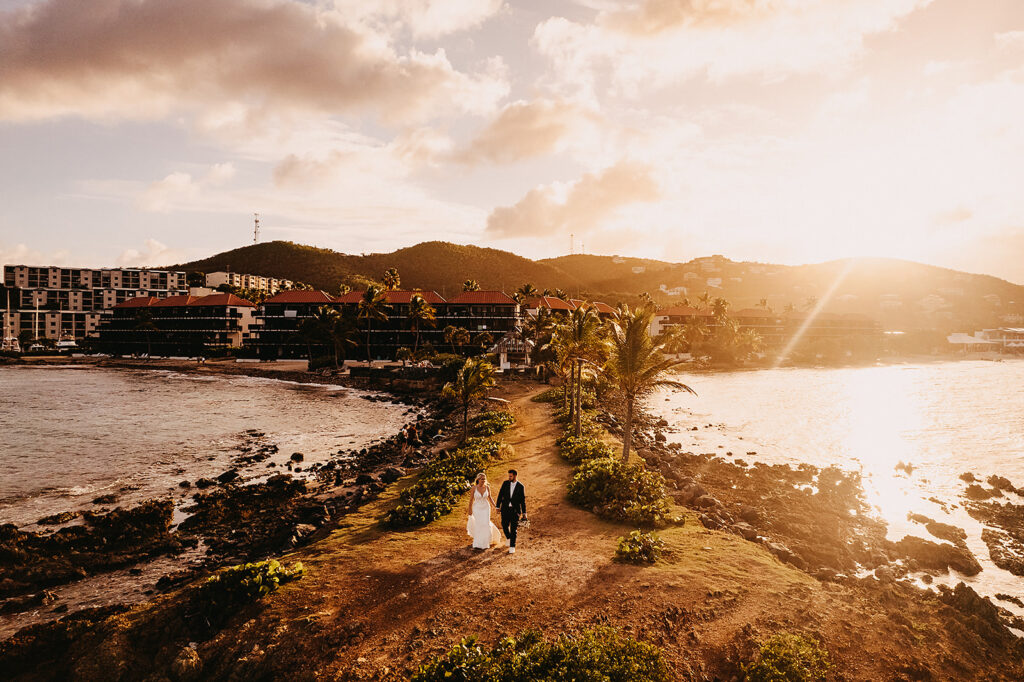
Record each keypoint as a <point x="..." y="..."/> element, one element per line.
<point x="233" y="588"/>
<point x="598" y="655"/>
<point x="620" y="492"/>
<point x="789" y="658"/>
<point x="640" y="548"/>
<point x="441" y="483"/>
<point x="636" y="364"/>
<point x="578" y="449"/>
<point x="471" y="383"/>
<point x="492" y="422"/>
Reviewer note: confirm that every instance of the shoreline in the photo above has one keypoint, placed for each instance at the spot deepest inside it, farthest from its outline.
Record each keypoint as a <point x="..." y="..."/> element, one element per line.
<point x="375" y="603"/>
<point x="198" y="533"/>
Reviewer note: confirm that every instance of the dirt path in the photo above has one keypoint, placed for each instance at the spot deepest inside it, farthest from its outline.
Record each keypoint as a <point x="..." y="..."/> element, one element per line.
<point x="375" y="603"/>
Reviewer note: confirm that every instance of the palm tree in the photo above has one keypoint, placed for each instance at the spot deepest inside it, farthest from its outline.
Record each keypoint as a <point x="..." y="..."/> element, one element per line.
<point x="470" y="285"/>
<point x="720" y="310"/>
<point x="144" y="323"/>
<point x="636" y="365"/>
<point x="420" y="313"/>
<point x="391" y="279"/>
<point x="372" y="306"/>
<point x="535" y="330"/>
<point x="578" y="338"/>
<point x="456" y="336"/>
<point x="403" y="355"/>
<point x="525" y="292"/>
<point x="694" y="332"/>
<point x="471" y="383"/>
<point x="704" y="301"/>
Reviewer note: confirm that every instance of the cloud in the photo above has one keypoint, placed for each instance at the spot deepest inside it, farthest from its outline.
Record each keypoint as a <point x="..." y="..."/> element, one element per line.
<point x="423" y="18"/>
<point x="526" y="129"/>
<point x="557" y="210"/>
<point x="153" y="253"/>
<point x="656" y="42"/>
<point x="125" y="59"/>
<point x="180" y="189"/>
<point x="21" y="254"/>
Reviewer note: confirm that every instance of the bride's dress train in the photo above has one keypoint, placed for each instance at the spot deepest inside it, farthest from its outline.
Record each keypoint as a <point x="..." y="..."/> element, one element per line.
<point x="479" y="526"/>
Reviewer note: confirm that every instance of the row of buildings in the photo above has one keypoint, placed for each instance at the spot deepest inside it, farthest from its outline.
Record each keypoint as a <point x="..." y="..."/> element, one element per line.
<point x="52" y="302"/>
<point x="775" y="329"/>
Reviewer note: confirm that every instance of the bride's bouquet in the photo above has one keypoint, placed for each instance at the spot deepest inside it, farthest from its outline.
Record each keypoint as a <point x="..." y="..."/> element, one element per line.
<point x="524" y="523"/>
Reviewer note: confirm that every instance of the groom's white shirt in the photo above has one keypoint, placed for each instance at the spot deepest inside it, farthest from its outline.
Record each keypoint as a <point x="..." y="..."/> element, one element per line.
<point x="511" y="489"/>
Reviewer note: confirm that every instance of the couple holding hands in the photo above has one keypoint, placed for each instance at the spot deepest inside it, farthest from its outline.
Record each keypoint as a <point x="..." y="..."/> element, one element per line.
<point x="511" y="503"/>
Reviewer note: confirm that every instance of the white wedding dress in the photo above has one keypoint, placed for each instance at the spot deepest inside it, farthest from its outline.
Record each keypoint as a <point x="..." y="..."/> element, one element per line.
<point x="479" y="526"/>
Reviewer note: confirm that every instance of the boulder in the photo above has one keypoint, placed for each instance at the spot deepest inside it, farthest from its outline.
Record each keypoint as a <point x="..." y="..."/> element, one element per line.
<point x="297" y="457"/>
<point x="707" y="502"/>
<point x="187" y="665"/>
<point x="939" y="556"/>
<point x="366" y="479"/>
<point x="392" y="474"/>
<point x="228" y="476"/>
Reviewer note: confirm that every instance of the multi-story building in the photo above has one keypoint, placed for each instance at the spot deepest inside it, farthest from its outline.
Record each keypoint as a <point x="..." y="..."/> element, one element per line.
<point x="269" y="285"/>
<point x="275" y="330"/>
<point x="52" y="302"/>
<point x="398" y="331"/>
<point x="177" y="325"/>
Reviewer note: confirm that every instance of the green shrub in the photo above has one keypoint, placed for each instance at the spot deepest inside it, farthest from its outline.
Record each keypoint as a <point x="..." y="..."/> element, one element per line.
<point x="556" y="395"/>
<point x="491" y="422"/>
<point x="620" y="492"/>
<point x="789" y="658"/>
<point x="580" y="449"/>
<point x="233" y="588"/>
<point x="601" y="654"/>
<point x="640" y="548"/>
<point x="438" y="488"/>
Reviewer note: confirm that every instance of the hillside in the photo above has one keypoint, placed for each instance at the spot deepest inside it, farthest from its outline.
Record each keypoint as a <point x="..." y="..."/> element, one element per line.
<point x="438" y="266"/>
<point x="901" y="294"/>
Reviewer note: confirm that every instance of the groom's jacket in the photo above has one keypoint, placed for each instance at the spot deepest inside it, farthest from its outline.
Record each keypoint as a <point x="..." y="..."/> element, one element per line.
<point x="514" y="503"/>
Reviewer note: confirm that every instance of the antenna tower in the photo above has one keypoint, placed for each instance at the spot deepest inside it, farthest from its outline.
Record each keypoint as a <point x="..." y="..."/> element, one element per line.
<point x="256" y="229"/>
<point x="572" y="243"/>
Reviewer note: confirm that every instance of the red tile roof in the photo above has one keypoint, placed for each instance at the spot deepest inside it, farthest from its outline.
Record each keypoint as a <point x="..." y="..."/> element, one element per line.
<point x="223" y="300"/>
<point x="173" y="301"/>
<point x="483" y="298"/>
<point x="300" y="296"/>
<point x="137" y="302"/>
<point x="395" y="297"/>
<point x="549" y="302"/>
<point x="603" y="308"/>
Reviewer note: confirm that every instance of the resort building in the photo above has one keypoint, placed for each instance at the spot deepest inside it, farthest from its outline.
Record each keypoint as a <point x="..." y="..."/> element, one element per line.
<point x="1000" y="339"/>
<point x="176" y="326"/>
<point x="268" y="285"/>
<point x="51" y="302"/>
<point x="275" y="329"/>
<point x="398" y="331"/>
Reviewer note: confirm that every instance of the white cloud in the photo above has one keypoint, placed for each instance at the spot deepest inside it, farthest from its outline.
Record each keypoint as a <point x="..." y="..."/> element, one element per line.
<point x="578" y="207"/>
<point x="153" y="254"/>
<point x="147" y="58"/>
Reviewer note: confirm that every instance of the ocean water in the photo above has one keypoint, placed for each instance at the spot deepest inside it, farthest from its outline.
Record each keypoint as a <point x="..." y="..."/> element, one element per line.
<point x="943" y="419"/>
<point x="71" y="434"/>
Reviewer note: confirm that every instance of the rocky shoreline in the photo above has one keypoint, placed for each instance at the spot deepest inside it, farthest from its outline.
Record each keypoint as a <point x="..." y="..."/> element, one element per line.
<point x="254" y="509"/>
<point x="816" y="519"/>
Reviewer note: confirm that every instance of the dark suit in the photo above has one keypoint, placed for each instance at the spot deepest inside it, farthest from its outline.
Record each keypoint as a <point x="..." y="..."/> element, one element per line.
<point x="511" y="508"/>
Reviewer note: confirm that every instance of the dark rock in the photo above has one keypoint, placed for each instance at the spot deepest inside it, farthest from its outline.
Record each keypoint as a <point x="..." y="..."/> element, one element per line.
<point x="885" y="574"/>
<point x="365" y="479"/>
<point x="976" y="492"/>
<point x="297" y="457"/>
<point x="706" y="502"/>
<point x="109" y="498"/>
<point x="1005" y="550"/>
<point x="392" y="474"/>
<point x="204" y="483"/>
<point x="968" y="477"/>
<point x="228" y="476"/>
<point x="185" y="484"/>
<point x="58" y="519"/>
<point x="939" y="556"/>
<point x="1010" y="598"/>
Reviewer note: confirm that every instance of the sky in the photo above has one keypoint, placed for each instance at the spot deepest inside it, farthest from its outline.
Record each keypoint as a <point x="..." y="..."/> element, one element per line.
<point x="148" y="132"/>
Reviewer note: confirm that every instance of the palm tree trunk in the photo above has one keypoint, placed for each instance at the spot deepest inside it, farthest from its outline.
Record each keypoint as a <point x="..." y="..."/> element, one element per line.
<point x="368" y="325"/>
<point x="627" y="430"/>
<point x="465" y="421"/>
<point x="579" y="397"/>
<point x="416" y="343"/>
<point x="309" y="354"/>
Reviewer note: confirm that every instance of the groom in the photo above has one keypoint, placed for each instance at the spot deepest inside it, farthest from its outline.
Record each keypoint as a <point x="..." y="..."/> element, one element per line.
<point x="512" y="504"/>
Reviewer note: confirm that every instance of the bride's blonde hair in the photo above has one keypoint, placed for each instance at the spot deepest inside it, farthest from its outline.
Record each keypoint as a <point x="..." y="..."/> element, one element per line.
<point x="479" y="476"/>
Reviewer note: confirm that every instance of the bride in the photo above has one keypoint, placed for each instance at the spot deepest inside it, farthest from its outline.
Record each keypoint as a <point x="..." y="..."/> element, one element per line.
<point x="479" y="526"/>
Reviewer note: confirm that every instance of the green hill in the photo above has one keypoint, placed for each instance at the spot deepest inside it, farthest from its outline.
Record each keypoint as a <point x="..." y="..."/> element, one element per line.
<point x="901" y="294"/>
